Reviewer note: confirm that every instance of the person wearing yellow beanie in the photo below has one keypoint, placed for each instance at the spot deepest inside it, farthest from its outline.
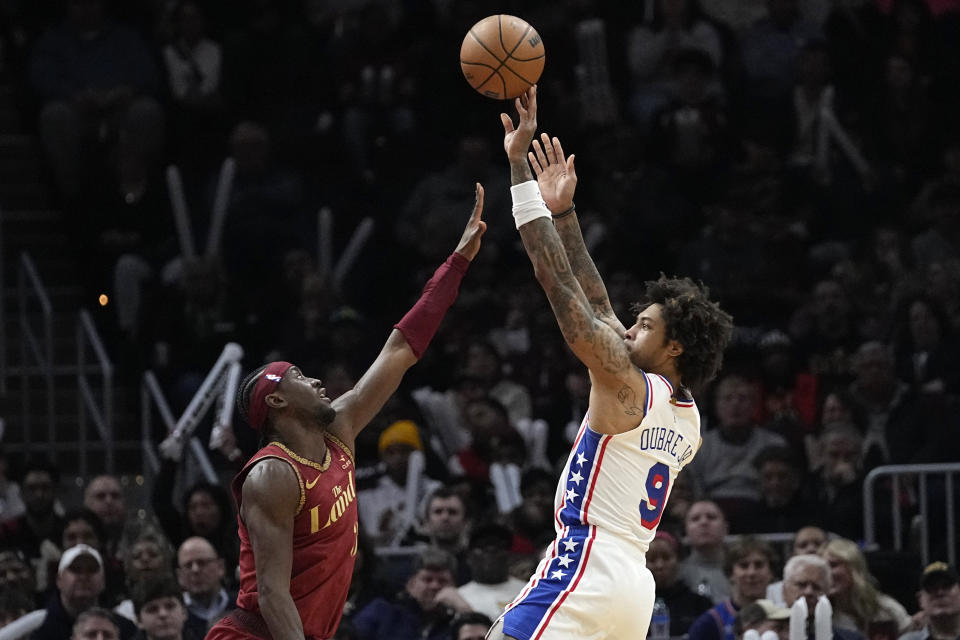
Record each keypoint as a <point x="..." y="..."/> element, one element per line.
<point x="382" y="505"/>
<point x="404" y="432"/>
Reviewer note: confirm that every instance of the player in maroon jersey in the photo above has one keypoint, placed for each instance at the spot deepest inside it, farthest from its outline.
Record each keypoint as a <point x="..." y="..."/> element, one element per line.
<point x="296" y="497"/>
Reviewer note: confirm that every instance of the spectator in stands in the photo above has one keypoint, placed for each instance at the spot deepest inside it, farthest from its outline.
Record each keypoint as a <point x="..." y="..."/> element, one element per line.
<point x="193" y="64"/>
<point x="904" y="426"/>
<point x="938" y="239"/>
<point x="677" y="25"/>
<point x="11" y="503"/>
<point x="483" y="363"/>
<point x="724" y="467"/>
<point x="80" y="583"/>
<point x="438" y="198"/>
<point x="161" y="613"/>
<point x="749" y="566"/>
<point x="41" y="520"/>
<point x="684" y="605"/>
<point x="824" y="328"/>
<point x="703" y="570"/>
<point x="443" y="411"/>
<point x="97" y="81"/>
<point x="770" y="49"/>
<point x="488" y="555"/>
<point x="807" y="540"/>
<point x="16" y="574"/>
<point x="784" y="506"/>
<point x="206" y="511"/>
<point x="83" y="526"/>
<point x="104" y="496"/>
<point x="383" y="505"/>
<point x="788" y="394"/>
<point x="14" y="604"/>
<point x="939" y="598"/>
<point x="470" y="626"/>
<point x="691" y="131"/>
<point x="149" y="554"/>
<point x="200" y="571"/>
<point x="762" y="616"/>
<point x="95" y="624"/>
<point x="838" y="486"/>
<point x="925" y="346"/>
<point x="808" y="576"/>
<point x="532" y="520"/>
<point x="493" y="439"/>
<point x="423" y="610"/>
<point x="446" y="525"/>
<point x="858" y="605"/>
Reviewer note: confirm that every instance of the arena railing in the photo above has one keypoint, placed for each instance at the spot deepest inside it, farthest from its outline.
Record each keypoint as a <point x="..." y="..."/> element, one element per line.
<point x="101" y="414"/>
<point x="897" y="474"/>
<point x="36" y="350"/>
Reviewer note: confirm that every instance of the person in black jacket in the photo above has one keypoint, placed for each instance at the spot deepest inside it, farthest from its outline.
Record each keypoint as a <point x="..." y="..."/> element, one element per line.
<point x="206" y="511"/>
<point x="684" y="605"/>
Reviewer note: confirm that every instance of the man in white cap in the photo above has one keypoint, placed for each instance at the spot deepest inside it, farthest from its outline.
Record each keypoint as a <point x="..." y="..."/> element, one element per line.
<point x="80" y="582"/>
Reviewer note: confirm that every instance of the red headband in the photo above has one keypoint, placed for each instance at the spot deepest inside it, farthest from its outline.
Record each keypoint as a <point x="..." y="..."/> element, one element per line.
<point x="268" y="381"/>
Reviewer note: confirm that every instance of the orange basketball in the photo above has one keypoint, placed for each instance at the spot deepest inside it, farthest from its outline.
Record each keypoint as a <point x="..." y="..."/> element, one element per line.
<point x="501" y="56"/>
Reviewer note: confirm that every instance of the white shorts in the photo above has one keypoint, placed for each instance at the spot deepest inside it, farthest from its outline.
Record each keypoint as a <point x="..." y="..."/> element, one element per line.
<point x="588" y="587"/>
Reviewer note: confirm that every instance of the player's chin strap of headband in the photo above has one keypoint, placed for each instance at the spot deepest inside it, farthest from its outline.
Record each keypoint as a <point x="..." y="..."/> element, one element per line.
<point x="266" y="384"/>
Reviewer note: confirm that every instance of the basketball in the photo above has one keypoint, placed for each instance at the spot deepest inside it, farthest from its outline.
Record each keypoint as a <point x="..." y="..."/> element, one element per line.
<point x="501" y="56"/>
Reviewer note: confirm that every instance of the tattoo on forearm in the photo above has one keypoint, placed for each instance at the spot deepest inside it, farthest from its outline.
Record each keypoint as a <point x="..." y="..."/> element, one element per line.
<point x="628" y="398"/>
<point x="520" y="172"/>
<point x="584" y="267"/>
<point x="570" y="306"/>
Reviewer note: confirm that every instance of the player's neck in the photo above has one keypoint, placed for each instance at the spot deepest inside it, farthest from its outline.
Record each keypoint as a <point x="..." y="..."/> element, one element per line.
<point x="673" y="377"/>
<point x="304" y="441"/>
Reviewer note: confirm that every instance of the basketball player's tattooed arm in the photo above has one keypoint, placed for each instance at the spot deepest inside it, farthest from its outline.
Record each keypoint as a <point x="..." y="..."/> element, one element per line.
<point x="557" y="179"/>
<point x="271" y="499"/>
<point x="592" y="340"/>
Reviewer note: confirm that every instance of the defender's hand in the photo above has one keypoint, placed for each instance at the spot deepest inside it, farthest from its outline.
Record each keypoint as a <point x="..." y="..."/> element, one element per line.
<point x="556" y="177"/>
<point x="470" y="240"/>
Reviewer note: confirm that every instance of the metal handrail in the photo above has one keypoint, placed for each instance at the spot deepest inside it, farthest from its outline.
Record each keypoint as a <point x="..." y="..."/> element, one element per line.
<point x="895" y="472"/>
<point x="101" y="415"/>
<point x="27" y="276"/>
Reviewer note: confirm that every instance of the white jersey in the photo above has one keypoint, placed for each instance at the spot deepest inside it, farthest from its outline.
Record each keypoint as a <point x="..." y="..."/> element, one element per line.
<point x="593" y="582"/>
<point x="621" y="483"/>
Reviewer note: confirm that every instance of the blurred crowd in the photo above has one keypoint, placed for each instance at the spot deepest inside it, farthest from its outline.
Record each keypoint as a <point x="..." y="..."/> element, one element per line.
<point x="799" y="157"/>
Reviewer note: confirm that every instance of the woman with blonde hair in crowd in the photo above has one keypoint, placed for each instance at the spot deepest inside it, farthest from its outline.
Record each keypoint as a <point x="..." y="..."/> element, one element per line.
<point x="857" y="602"/>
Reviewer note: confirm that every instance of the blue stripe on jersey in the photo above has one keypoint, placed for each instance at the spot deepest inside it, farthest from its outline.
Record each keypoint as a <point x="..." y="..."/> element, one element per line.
<point x="580" y="476"/>
<point x="528" y="617"/>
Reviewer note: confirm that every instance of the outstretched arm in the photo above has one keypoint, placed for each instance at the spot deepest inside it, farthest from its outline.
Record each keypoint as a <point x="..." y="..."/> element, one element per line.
<point x="410" y="336"/>
<point x="593" y="341"/>
<point x="557" y="179"/>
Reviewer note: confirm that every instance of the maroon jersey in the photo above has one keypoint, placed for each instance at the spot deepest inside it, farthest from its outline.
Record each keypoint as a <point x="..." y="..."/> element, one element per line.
<point x="324" y="536"/>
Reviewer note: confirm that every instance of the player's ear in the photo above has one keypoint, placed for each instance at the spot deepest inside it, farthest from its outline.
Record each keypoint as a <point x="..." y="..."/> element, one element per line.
<point x="674" y="348"/>
<point x="275" y="401"/>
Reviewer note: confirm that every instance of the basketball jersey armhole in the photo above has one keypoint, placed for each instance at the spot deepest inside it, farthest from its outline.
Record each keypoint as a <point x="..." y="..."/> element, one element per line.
<point x="269" y="456"/>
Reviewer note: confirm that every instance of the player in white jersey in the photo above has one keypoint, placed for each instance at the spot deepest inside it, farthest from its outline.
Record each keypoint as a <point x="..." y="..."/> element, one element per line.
<point x="642" y="426"/>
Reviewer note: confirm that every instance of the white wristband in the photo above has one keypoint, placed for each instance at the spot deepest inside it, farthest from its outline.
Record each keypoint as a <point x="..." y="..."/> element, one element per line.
<point x="527" y="203"/>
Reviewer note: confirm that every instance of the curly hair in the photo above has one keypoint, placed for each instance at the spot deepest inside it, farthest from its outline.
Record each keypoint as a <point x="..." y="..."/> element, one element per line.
<point x="693" y="320"/>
